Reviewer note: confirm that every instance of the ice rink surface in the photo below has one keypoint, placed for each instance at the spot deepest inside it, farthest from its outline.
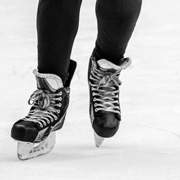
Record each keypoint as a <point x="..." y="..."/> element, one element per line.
<point x="147" y="146"/>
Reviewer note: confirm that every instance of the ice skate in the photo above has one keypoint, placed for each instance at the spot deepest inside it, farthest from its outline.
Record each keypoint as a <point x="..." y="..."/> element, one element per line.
<point x="104" y="110"/>
<point x="36" y="132"/>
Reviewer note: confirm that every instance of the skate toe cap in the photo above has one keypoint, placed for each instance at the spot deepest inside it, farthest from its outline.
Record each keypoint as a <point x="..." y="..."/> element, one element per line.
<point x="105" y="132"/>
<point x="24" y="132"/>
<point x="106" y="125"/>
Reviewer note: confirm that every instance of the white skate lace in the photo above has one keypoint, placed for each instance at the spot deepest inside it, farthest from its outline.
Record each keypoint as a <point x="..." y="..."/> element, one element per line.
<point x="104" y="86"/>
<point x="44" y="109"/>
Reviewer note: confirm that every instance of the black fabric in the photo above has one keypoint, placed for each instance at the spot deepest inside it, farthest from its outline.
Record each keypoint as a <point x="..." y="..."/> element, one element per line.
<point x="116" y="21"/>
<point x="57" y="25"/>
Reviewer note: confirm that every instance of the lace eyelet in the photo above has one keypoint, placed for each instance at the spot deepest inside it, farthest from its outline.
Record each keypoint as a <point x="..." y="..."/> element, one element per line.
<point x="60" y="98"/>
<point x="58" y="111"/>
<point x="60" y="93"/>
<point x="95" y="104"/>
<point x="60" y="105"/>
<point x="94" y="99"/>
<point x="96" y="110"/>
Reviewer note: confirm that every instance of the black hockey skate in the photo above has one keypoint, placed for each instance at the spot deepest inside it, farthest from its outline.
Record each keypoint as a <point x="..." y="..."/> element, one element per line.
<point x="104" y="110"/>
<point x="36" y="132"/>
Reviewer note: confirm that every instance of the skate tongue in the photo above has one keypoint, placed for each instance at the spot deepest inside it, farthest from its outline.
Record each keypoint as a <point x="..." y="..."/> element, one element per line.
<point x="107" y="65"/>
<point x="50" y="82"/>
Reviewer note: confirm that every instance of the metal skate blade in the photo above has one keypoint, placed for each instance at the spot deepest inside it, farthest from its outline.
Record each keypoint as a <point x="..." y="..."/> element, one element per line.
<point x="26" y="150"/>
<point x="98" y="140"/>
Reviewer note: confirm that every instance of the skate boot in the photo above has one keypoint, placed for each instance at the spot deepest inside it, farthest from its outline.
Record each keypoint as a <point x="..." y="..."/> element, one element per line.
<point x="36" y="132"/>
<point x="104" y="110"/>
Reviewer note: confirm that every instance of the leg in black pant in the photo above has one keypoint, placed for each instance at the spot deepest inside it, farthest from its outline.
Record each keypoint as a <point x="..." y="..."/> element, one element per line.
<point x="116" y="21"/>
<point x="57" y="25"/>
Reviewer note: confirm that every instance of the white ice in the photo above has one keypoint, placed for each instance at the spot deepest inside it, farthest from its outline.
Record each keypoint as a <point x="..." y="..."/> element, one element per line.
<point x="147" y="146"/>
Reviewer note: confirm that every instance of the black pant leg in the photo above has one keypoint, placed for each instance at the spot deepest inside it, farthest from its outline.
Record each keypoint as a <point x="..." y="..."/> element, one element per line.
<point x="116" y="21"/>
<point x="57" y="25"/>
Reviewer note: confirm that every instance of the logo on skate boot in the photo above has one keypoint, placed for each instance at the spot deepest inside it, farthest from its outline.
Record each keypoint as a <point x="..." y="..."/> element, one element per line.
<point x="41" y="135"/>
